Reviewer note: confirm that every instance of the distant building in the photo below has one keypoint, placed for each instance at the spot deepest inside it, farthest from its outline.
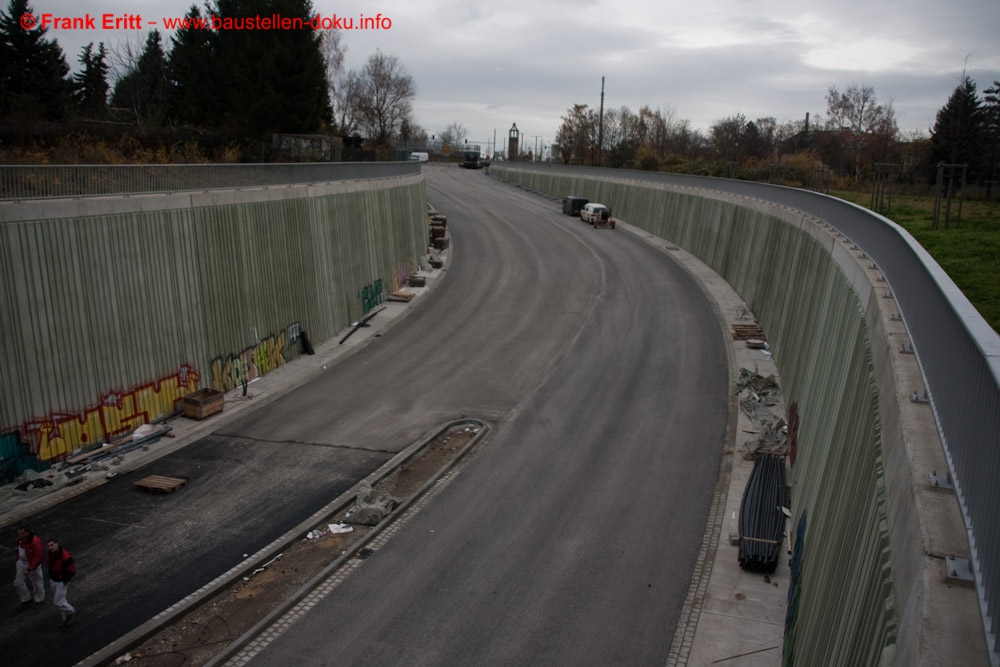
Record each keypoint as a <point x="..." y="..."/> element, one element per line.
<point x="513" y="136"/>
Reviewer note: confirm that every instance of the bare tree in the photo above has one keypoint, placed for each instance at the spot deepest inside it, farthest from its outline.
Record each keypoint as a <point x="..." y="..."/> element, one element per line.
<point x="333" y="51"/>
<point x="346" y="104"/>
<point x="382" y="100"/>
<point x="728" y="136"/>
<point x="145" y="88"/>
<point x="577" y="136"/>
<point x="341" y="84"/>
<point x="454" y="133"/>
<point x="123" y="56"/>
<point x="784" y="136"/>
<point x="766" y="148"/>
<point x="860" y="119"/>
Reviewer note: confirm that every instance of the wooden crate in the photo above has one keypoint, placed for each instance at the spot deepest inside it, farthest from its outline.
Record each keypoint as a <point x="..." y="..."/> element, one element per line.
<point x="203" y="403"/>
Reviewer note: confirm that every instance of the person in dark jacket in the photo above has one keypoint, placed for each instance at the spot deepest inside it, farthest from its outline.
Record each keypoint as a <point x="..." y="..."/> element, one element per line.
<point x="61" y="570"/>
<point x="28" y="553"/>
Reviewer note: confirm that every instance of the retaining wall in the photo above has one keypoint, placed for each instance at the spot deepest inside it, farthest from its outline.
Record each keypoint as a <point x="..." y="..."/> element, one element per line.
<point x="112" y="309"/>
<point x="869" y="585"/>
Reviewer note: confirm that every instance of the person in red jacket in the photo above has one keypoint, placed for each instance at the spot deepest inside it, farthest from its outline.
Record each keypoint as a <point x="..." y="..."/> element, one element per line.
<point x="61" y="570"/>
<point x="27" y="567"/>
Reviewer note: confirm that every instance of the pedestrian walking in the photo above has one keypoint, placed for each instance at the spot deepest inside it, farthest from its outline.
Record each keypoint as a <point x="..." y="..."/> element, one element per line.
<point x="61" y="570"/>
<point x="27" y="567"/>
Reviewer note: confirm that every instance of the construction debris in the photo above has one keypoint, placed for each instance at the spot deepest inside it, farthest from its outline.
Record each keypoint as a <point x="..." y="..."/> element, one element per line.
<point x="757" y="394"/>
<point x="371" y="509"/>
<point x="263" y="567"/>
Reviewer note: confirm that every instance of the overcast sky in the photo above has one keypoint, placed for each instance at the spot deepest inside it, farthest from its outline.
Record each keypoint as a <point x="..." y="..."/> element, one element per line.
<point x="490" y="63"/>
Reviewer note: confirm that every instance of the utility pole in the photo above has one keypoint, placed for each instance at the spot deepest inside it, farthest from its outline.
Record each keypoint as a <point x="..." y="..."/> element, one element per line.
<point x="600" y="130"/>
<point x="494" y="143"/>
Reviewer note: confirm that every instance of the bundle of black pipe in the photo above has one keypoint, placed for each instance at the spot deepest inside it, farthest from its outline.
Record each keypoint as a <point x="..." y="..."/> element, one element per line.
<point x="762" y="520"/>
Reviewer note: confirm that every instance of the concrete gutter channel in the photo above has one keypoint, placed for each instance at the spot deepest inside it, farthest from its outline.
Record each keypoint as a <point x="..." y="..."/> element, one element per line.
<point x="203" y="595"/>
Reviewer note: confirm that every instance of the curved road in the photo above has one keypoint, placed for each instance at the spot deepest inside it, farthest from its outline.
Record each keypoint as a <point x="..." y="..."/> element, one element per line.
<point x="568" y="538"/>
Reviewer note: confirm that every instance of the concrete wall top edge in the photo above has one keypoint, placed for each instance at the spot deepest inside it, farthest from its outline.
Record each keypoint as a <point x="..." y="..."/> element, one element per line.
<point x="54" y="209"/>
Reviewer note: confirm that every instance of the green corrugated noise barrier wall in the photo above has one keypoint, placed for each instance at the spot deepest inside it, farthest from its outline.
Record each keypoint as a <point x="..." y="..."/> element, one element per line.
<point x="110" y="318"/>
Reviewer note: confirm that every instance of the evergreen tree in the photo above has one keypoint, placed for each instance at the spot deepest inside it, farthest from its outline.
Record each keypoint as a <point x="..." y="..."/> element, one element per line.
<point x="92" y="83"/>
<point x="991" y="128"/>
<point x="33" y="70"/>
<point x="275" y="80"/>
<point x="957" y="135"/>
<point x="190" y="70"/>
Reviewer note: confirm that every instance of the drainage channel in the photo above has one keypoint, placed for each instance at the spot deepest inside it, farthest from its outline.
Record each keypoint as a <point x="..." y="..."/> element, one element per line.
<point x="204" y="628"/>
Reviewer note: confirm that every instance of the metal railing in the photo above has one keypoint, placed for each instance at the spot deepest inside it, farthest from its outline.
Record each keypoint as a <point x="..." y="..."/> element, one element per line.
<point x="958" y="354"/>
<point x="52" y="181"/>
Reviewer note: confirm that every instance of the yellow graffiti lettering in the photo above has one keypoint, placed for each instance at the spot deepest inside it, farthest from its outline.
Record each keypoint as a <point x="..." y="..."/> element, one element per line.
<point x="217" y="375"/>
<point x="260" y="359"/>
<point x="61" y="434"/>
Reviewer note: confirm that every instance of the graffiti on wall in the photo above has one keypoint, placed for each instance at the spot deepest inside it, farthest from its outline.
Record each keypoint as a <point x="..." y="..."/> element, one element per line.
<point x="235" y="370"/>
<point x="794" y="589"/>
<point x="402" y="273"/>
<point x="118" y="412"/>
<point x="371" y="295"/>
<point x="16" y="457"/>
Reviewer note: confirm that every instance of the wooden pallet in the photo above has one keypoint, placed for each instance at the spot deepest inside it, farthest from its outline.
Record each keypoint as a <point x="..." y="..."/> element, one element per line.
<point x="160" y="484"/>
<point x="745" y="331"/>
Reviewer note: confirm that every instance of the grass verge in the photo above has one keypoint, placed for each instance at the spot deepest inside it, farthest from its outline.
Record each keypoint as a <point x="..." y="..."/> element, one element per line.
<point x="968" y="251"/>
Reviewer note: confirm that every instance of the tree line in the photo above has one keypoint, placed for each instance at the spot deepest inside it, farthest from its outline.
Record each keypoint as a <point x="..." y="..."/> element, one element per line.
<point x="239" y="83"/>
<point x="858" y="132"/>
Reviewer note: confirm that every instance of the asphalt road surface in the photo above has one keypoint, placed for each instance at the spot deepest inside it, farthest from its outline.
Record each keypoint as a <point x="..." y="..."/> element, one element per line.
<point x="569" y="538"/>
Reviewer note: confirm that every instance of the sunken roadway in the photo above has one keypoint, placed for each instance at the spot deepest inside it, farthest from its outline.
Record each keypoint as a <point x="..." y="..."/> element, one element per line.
<point x="570" y="535"/>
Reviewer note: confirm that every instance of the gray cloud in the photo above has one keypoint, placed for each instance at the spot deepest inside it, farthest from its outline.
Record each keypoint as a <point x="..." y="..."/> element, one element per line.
<point x="488" y="64"/>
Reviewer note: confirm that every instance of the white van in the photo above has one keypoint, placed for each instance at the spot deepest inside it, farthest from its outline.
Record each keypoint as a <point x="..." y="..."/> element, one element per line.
<point x="423" y="157"/>
<point x="593" y="211"/>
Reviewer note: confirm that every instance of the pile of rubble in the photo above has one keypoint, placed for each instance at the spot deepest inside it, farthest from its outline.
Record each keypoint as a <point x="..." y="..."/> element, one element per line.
<point x="757" y="395"/>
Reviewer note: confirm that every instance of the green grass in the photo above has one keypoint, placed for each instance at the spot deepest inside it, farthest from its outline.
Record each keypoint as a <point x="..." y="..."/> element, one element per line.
<point x="969" y="253"/>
